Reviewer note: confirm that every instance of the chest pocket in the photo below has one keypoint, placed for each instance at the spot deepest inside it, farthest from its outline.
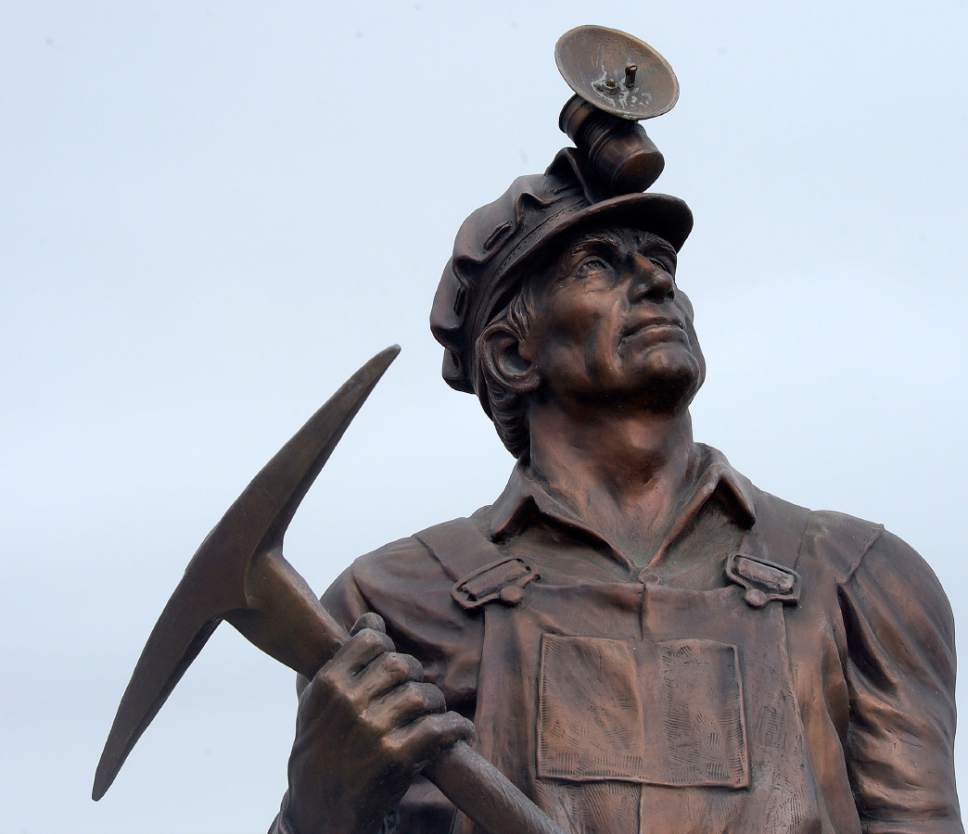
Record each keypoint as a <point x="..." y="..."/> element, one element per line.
<point x="667" y="713"/>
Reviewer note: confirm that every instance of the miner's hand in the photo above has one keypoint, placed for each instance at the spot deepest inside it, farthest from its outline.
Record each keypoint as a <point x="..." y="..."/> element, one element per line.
<point x="367" y="723"/>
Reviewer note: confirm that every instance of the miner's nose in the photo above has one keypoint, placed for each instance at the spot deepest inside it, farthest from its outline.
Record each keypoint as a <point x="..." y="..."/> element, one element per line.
<point x="650" y="282"/>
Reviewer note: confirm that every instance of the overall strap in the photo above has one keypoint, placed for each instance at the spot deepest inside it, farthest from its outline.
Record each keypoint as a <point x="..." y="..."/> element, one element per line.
<point x="766" y="564"/>
<point x="481" y="573"/>
<point x="788" y="542"/>
<point x="779" y="529"/>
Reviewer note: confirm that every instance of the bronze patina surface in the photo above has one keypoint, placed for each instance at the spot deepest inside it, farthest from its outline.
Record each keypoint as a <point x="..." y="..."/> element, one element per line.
<point x="616" y="73"/>
<point x="240" y="575"/>
<point x="644" y="639"/>
<point x="632" y="637"/>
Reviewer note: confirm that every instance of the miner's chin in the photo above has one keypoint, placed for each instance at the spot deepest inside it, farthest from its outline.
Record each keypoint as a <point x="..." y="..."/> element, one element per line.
<point x="667" y="376"/>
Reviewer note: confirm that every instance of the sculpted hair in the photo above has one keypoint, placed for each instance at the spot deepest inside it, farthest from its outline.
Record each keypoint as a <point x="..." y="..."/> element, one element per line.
<point x="508" y="408"/>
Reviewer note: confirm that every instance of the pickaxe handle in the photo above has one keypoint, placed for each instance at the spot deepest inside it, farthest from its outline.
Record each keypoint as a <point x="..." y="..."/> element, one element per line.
<point x="312" y="637"/>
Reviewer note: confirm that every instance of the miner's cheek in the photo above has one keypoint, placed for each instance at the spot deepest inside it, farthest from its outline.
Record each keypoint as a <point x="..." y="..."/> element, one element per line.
<point x="575" y="360"/>
<point x="557" y="367"/>
<point x="696" y="352"/>
<point x="685" y="304"/>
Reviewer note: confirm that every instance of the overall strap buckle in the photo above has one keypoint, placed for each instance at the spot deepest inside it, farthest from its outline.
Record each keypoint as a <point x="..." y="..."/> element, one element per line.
<point x="763" y="580"/>
<point x="503" y="580"/>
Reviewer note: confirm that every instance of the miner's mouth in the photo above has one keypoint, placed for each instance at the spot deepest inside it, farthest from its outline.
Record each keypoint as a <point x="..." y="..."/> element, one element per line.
<point x="658" y="326"/>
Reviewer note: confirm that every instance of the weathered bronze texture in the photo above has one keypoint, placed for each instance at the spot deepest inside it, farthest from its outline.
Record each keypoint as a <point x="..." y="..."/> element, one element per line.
<point x="228" y="572"/>
<point x="618" y="80"/>
<point x="239" y="574"/>
<point x="644" y="640"/>
<point x="618" y="149"/>
<point x="616" y="73"/>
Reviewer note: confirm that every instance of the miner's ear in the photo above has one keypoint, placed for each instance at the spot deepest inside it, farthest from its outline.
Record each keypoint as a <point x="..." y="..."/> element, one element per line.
<point x="500" y="350"/>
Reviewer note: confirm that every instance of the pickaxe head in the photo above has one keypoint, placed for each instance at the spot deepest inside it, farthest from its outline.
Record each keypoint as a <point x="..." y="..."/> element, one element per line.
<point x="234" y="566"/>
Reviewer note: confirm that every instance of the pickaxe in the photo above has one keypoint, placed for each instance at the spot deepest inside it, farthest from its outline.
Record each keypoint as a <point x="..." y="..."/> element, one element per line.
<point x="239" y="574"/>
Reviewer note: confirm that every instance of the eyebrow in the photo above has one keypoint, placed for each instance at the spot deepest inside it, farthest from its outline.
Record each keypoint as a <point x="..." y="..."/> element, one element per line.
<point x="652" y="241"/>
<point x="645" y="243"/>
<point x="592" y="241"/>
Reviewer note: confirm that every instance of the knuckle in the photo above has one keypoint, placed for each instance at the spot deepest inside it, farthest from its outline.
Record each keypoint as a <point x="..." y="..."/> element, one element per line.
<point x="409" y="696"/>
<point x="355" y="699"/>
<point x="396" y="665"/>
<point x="435" y="698"/>
<point x="372" y="724"/>
<point x="412" y="667"/>
<point x="440" y="724"/>
<point x="424" y="696"/>
<point x="324" y="680"/>
<point x="373" y="640"/>
<point x="393" y="749"/>
<point x="451" y="725"/>
<point x="366" y="637"/>
<point x="324" y="695"/>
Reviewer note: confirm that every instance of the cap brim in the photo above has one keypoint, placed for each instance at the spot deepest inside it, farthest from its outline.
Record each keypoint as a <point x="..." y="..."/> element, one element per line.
<point x="662" y="214"/>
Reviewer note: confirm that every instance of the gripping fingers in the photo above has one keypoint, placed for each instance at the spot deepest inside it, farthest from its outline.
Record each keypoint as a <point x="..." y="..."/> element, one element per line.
<point x="368" y="642"/>
<point x="388" y="671"/>
<point x="405" y="704"/>
<point x="362" y="648"/>
<point x="421" y="742"/>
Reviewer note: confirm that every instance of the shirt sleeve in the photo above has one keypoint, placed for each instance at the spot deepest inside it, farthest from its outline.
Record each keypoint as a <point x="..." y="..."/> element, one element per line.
<point x="406" y="585"/>
<point x="901" y="681"/>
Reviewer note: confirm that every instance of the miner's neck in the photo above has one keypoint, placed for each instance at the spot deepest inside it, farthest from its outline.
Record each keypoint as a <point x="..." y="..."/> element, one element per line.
<point x="621" y="450"/>
<point x="623" y="470"/>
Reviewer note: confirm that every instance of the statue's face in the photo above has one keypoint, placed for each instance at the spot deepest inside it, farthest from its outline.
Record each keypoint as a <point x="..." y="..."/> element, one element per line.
<point x="611" y="322"/>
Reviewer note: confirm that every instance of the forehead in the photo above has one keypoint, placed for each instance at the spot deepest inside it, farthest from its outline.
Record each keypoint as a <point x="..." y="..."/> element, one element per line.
<point x="618" y="237"/>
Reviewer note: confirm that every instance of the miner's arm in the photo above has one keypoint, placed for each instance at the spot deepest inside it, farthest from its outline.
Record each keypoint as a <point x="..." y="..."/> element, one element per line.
<point x="407" y="587"/>
<point x="901" y="680"/>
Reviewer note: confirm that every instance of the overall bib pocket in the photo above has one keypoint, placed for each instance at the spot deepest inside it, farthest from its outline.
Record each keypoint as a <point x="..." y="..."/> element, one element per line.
<point x="667" y="713"/>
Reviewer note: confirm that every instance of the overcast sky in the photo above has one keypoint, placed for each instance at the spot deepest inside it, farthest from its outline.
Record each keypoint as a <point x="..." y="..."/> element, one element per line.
<point x="215" y="211"/>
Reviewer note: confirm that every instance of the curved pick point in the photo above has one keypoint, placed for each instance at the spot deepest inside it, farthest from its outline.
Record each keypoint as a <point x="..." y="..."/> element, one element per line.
<point x="215" y="581"/>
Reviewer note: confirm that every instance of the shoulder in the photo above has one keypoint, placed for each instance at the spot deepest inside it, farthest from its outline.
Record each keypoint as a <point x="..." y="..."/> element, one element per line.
<point x="825" y="540"/>
<point x="856" y="554"/>
<point x="861" y="551"/>
<point x="895" y="581"/>
<point x="407" y="585"/>
<point x="401" y="560"/>
<point x="417" y="570"/>
<point x="437" y="552"/>
<point x="396" y="571"/>
<point x="838" y="540"/>
<point x="818" y="541"/>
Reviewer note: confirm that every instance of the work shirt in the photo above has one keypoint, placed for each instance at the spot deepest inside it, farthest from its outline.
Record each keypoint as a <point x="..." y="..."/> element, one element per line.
<point x="869" y="639"/>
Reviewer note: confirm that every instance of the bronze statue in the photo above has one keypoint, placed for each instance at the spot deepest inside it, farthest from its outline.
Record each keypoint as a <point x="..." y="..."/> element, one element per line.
<point x="632" y="637"/>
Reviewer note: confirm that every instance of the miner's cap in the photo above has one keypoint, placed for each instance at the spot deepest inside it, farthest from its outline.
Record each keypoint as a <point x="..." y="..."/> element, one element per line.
<point x="495" y="244"/>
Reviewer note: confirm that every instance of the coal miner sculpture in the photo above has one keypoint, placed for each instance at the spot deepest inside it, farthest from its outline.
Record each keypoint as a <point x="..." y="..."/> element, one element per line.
<point x="632" y="637"/>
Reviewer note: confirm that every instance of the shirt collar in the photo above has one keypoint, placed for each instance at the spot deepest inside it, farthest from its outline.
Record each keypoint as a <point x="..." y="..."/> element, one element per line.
<point x="712" y="474"/>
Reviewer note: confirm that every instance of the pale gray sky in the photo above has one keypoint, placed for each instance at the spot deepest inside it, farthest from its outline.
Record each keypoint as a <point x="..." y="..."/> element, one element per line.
<point x="214" y="211"/>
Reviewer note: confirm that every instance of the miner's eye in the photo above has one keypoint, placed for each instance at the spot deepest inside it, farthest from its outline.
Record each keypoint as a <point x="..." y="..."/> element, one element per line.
<point x="665" y="265"/>
<point x="591" y="266"/>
